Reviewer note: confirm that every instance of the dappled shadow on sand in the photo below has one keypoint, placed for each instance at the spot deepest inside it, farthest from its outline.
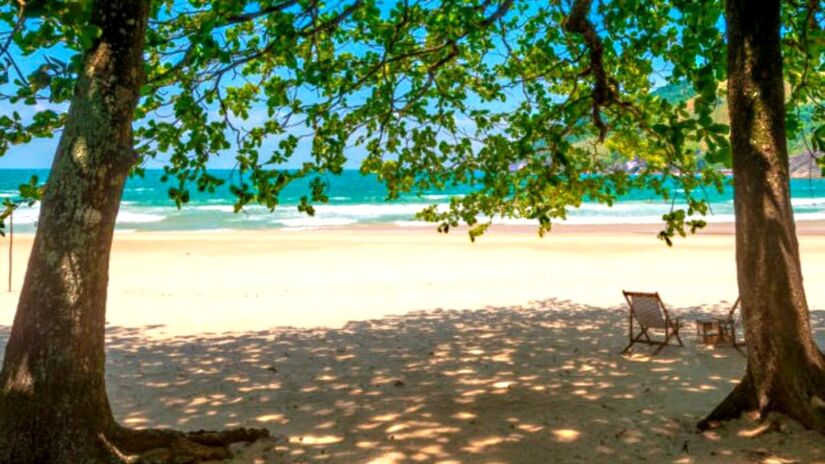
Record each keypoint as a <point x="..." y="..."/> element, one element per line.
<point x="539" y="383"/>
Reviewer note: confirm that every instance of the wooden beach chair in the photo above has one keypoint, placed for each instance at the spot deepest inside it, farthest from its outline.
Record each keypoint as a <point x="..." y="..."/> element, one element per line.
<point x="648" y="311"/>
<point x="730" y="323"/>
<point x="721" y="330"/>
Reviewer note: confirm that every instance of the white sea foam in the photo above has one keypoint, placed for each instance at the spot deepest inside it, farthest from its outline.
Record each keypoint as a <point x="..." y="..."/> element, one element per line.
<point x="212" y="217"/>
<point x="131" y="217"/>
<point x="440" y="196"/>
<point x="310" y="221"/>
<point x="371" y="210"/>
<point x="810" y="216"/>
<point x="220" y="230"/>
<point x="224" y="208"/>
<point x="414" y="224"/>
<point x="808" y="202"/>
<point x="26" y="214"/>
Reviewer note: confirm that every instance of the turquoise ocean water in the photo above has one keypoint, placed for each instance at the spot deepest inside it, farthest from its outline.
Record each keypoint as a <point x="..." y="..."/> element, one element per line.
<point x="357" y="199"/>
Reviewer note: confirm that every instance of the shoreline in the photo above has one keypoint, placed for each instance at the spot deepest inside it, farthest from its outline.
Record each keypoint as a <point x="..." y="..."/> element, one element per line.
<point x="814" y="227"/>
<point x="184" y="283"/>
<point x="393" y="344"/>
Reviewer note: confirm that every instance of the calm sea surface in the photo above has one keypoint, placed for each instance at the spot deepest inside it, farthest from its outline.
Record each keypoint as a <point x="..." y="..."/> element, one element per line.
<point x="358" y="199"/>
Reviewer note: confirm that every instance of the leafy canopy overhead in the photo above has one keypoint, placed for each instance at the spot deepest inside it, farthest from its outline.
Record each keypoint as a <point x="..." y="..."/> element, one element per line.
<point x="535" y="106"/>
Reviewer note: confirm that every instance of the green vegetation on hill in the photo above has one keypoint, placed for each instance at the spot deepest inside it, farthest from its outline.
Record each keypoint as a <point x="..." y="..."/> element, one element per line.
<point x="800" y="123"/>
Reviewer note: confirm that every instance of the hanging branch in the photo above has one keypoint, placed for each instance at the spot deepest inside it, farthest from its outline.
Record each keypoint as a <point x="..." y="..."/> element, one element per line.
<point x="604" y="89"/>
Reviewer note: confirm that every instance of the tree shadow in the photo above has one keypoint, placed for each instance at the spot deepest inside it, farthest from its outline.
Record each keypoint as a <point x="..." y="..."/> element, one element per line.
<point x="541" y="382"/>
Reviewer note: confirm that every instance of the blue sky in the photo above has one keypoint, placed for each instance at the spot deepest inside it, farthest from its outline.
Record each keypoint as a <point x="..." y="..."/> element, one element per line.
<point x="39" y="153"/>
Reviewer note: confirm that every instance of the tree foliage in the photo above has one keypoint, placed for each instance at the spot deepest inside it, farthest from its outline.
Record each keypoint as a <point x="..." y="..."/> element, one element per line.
<point x="536" y="108"/>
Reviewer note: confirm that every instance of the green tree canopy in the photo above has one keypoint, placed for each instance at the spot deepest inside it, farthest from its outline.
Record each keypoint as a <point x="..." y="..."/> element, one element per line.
<point x="532" y="108"/>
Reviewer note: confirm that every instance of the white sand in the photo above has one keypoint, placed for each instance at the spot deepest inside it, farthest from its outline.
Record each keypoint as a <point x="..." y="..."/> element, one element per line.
<point x="510" y="355"/>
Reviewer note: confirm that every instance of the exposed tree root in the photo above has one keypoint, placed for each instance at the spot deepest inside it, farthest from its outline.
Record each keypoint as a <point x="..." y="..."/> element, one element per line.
<point x="740" y="400"/>
<point x="172" y="446"/>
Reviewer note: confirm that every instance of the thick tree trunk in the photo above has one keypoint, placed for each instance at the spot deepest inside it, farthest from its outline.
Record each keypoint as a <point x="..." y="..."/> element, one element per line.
<point x="54" y="406"/>
<point x="53" y="402"/>
<point x="785" y="369"/>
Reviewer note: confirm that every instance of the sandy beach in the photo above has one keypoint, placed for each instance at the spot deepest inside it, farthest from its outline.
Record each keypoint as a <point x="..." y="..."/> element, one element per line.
<point x="403" y="345"/>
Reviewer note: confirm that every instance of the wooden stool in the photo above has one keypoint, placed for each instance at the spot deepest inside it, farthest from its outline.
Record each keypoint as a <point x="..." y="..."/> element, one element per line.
<point x="711" y="332"/>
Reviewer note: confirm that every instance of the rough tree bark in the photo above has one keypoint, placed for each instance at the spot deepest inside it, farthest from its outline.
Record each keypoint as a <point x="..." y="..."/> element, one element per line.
<point x="53" y="402"/>
<point x="785" y="370"/>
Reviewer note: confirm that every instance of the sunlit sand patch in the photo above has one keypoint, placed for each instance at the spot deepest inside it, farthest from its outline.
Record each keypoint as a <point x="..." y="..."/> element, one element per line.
<point x="504" y="356"/>
<point x="558" y="324"/>
<point x="756" y="431"/>
<point x="427" y="432"/>
<point x="326" y="425"/>
<point x="530" y="428"/>
<point x="711" y="435"/>
<point x="566" y="435"/>
<point x="463" y="371"/>
<point x="198" y="401"/>
<point x="367" y="444"/>
<point x="369" y="426"/>
<point x="413" y="409"/>
<point x="397" y="427"/>
<point x="463" y="415"/>
<point x="390" y="458"/>
<point x="630" y="436"/>
<point x="779" y="460"/>
<point x="471" y="382"/>
<point x="269" y="386"/>
<point x="135" y="421"/>
<point x="478" y="445"/>
<point x="157" y="384"/>
<point x="274" y="418"/>
<point x="237" y="378"/>
<point x="700" y="388"/>
<point x="476" y="392"/>
<point x="434" y="450"/>
<point x="317" y="439"/>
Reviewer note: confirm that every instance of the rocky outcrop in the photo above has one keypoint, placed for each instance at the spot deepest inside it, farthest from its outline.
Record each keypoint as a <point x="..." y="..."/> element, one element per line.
<point x="805" y="165"/>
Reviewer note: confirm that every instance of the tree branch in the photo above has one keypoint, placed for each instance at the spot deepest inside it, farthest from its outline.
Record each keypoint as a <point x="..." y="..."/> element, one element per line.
<point x="604" y="92"/>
